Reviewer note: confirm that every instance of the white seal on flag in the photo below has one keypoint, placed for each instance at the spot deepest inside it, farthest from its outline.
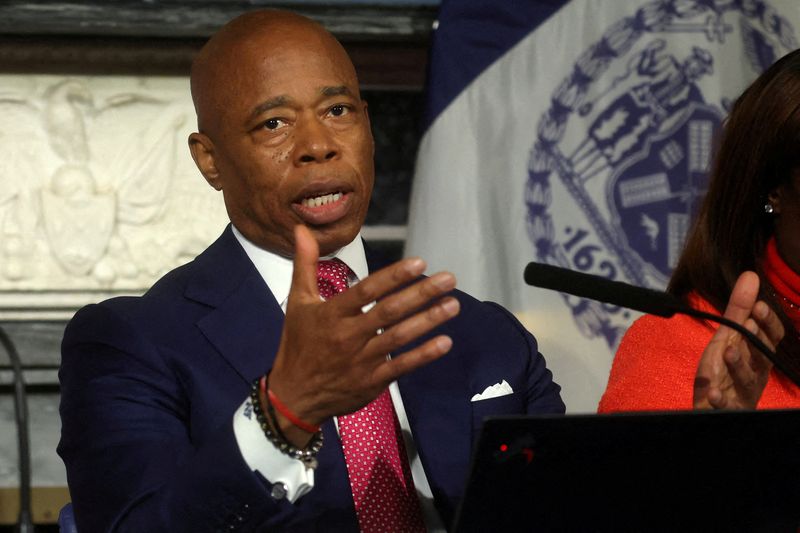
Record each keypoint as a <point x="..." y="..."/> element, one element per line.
<point x="628" y="138"/>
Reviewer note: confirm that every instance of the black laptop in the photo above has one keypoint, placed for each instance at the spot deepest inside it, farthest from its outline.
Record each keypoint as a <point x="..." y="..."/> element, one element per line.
<point x="685" y="471"/>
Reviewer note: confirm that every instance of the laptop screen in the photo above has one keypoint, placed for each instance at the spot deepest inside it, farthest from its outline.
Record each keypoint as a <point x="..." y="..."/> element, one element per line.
<point x="678" y="471"/>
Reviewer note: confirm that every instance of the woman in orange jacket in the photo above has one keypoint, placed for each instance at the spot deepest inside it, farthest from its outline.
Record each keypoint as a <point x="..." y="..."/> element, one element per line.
<point x="749" y="222"/>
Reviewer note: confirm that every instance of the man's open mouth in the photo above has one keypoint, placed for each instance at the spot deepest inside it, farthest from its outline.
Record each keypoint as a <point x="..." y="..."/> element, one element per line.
<point x="317" y="201"/>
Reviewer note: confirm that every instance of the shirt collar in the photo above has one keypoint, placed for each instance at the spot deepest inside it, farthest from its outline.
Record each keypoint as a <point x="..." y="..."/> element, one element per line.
<point x="277" y="270"/>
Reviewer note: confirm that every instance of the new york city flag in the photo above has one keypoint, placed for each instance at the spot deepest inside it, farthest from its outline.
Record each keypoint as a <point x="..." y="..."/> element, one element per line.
<point x="578" y="133"/>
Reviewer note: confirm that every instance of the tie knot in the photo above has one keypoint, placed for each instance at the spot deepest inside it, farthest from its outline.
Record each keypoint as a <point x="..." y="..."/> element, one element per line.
<point x="333" y="277"/>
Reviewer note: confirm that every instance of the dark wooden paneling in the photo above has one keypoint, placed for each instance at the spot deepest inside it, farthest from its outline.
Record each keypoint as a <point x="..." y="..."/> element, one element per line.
<point x="96" y="55"/>
<point x="160" y="18"/>
<point x="396" y="65"/>
<point x="388" y="44"/>
<point x="392" y="64"/>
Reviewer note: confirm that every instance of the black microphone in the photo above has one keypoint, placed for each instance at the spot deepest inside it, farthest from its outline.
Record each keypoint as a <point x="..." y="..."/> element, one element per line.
<point x="596" y="288"/>
<point x="631" y="297"/>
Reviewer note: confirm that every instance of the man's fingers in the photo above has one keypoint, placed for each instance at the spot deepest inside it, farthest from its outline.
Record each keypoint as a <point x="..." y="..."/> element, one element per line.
<point x="411" y="360"/>
<point x="306" y="254"/>
<point x="379" y="284"/>
<point x="398" y="306"/>
<point x="414" y="326"/>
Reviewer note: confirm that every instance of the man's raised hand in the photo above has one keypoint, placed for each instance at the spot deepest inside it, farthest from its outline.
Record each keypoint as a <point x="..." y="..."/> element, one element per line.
<point x="331" y="360"/>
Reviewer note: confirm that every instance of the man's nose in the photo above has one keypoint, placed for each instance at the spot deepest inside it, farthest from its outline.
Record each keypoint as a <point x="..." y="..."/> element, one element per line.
<point x="315" y="142"/>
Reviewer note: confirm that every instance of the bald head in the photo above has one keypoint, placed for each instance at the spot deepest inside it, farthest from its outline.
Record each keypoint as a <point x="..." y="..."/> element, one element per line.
<point x="239" y="48"/>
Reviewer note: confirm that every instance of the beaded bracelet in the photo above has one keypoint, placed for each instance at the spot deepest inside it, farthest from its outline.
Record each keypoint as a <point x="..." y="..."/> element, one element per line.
<point x="307" y="455"/>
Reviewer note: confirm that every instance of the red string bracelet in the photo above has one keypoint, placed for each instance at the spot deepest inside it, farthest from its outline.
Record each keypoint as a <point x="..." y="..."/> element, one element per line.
<point x="290" y="416"/>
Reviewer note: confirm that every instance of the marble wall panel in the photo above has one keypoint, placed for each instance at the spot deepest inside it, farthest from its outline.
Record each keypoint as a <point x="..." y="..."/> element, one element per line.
<point x="98" y="194"/>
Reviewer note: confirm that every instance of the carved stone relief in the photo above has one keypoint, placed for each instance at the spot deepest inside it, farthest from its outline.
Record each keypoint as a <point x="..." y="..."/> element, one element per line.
<point x="98" y="192"/>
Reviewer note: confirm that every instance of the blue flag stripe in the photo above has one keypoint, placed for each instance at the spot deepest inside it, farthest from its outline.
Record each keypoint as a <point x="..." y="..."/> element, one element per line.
<point x="471" y="37"/>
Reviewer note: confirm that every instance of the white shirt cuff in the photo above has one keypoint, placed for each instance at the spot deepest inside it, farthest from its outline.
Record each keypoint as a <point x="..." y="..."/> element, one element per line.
<point x="262" y="456"/>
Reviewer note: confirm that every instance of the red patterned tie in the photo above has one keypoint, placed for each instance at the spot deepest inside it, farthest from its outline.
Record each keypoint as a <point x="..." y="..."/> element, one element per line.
<point x="377" y="464"/>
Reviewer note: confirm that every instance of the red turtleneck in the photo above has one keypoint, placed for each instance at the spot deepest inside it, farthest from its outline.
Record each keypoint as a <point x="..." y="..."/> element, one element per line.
<point x="785" y="281"/>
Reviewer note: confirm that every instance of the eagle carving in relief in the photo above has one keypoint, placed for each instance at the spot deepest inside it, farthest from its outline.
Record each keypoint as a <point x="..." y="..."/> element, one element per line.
<point x="83" y="167"/>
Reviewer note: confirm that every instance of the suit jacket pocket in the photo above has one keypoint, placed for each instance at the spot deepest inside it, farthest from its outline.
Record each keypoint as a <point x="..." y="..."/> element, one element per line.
<point x="510" y="404"/>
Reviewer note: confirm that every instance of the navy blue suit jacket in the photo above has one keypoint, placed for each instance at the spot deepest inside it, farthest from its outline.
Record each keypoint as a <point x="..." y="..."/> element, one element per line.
<point x="150" y="384"/>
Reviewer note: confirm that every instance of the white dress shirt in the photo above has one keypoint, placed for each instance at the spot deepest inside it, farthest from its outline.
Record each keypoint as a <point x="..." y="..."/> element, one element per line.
<point x="258" y="452"/>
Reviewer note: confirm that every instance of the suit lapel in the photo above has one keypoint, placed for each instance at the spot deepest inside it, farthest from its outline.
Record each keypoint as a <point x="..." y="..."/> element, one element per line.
<point x="245" y="322"/>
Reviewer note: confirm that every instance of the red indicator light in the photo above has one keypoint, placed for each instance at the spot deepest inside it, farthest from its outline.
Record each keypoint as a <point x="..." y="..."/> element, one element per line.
<point x="504" y="447"/>
<point x="528" y="453"/>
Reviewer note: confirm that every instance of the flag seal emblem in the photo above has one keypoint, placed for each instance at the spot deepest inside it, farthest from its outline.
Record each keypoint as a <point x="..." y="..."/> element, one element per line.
<point x="628" y="138"/>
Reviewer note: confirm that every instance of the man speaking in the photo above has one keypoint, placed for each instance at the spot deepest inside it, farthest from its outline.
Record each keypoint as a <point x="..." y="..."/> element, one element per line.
<point x="283" y="380"/>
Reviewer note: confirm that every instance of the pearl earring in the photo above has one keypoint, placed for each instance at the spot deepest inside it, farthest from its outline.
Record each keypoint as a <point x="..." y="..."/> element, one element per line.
<point x="768" y="208"/>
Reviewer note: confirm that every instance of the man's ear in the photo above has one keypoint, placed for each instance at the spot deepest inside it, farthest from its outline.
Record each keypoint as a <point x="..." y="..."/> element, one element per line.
<point x="774" y="199"/>
<point x="202" y="149"/>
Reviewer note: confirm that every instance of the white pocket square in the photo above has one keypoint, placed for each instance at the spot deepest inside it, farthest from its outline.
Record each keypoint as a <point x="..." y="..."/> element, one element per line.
<point x="494" y="391"/>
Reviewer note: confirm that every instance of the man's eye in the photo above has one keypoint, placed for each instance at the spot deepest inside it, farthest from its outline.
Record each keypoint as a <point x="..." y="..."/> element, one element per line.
<point x="339" y="110"/>
<point x="273" y="124"/>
